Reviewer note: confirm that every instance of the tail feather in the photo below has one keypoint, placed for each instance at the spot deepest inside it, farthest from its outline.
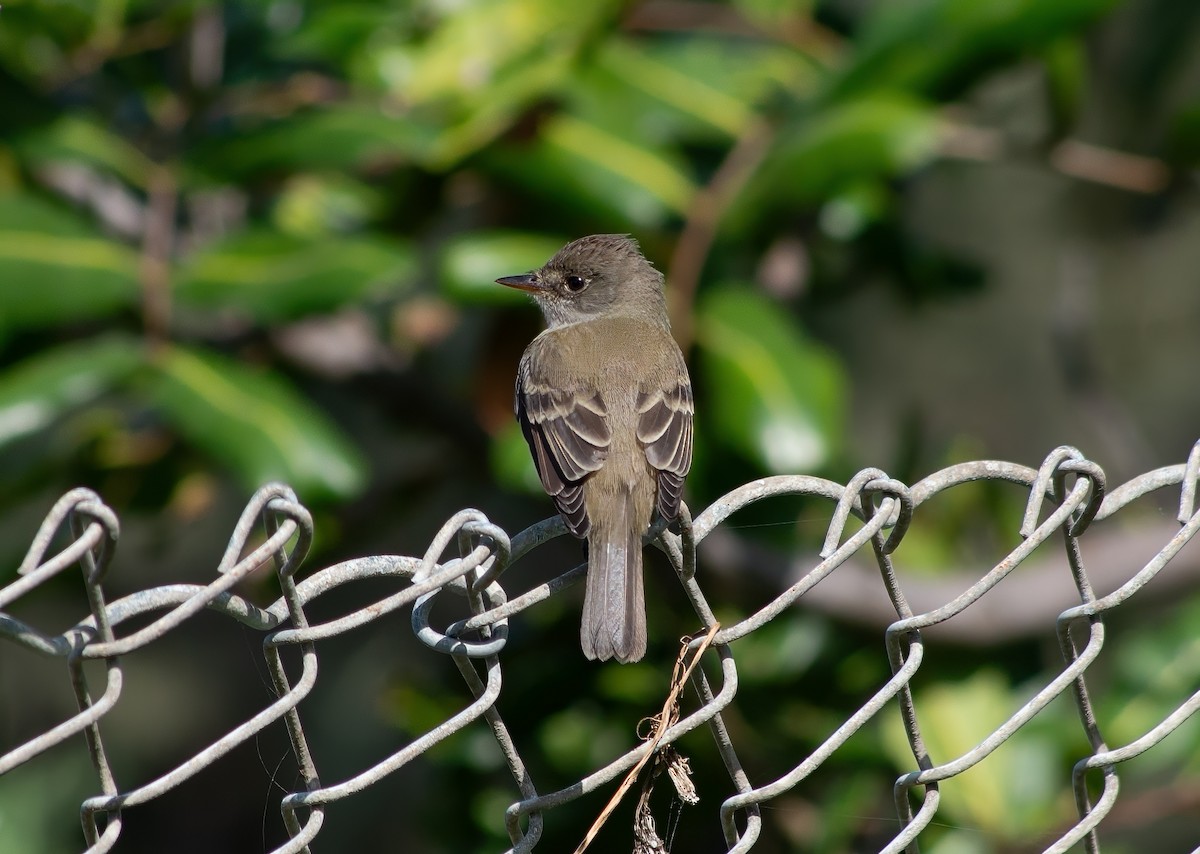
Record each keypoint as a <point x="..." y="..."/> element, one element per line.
<point x="614" y="606"/>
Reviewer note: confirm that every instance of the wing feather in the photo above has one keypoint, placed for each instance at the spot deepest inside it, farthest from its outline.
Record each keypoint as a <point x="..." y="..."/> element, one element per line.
<point x="567" y="431"/>
<point x="664" y="428"/>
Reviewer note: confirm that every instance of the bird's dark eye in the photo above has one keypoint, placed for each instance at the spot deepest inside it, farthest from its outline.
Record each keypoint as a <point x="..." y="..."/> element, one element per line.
<point x="576" y="283"/>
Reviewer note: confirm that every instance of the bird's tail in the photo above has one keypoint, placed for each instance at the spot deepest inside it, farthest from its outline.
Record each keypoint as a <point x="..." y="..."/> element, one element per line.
<point x="614" y="607"/>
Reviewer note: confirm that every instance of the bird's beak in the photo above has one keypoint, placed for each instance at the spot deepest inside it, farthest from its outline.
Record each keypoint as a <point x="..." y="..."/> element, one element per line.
<point x="525" y="282"/>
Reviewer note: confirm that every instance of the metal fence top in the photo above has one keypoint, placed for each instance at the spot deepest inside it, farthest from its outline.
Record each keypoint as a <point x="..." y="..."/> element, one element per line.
<point x="469" y="557"/>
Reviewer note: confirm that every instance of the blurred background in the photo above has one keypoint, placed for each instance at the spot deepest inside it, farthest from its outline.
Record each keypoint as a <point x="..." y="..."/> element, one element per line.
<point x="253" y="241"/>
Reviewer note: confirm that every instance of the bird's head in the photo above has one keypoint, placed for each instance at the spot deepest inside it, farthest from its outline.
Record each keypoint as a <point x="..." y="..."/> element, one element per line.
<point x="597" y="276"/>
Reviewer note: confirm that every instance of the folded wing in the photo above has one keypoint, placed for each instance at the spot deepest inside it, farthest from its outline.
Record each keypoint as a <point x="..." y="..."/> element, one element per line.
<point x="665" y="430"/>
<point x="568" y="433"/>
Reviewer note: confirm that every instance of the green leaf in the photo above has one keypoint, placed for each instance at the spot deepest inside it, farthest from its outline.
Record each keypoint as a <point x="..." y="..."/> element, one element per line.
<point x="1156" y="671"/>
<point x="665" y="78"/>
<point x="314" y="206"/>
<point x="33" y="802"/>
<point x="841" y="149"/>
<point x="56" y="269"/>
<point x="939" y="48"/>
<point x="772" y="393"/>
<point x="477" y="46"/>
<point x="255" y="423"/>
<point x="880" y="136"/>
<point x="594" y="169"/>
<point x="780" y="651"/>
<point x="37" y="392"/>
<point x="578" y="738"/>
<point x="38" y="39"/>
<point x="471" y="263"/>
<point x="697" y="90"/>
<point x="1011" y="793"/>
<point x="846" y="215"/>
<point x="78" y="139"/>
<point x="481" y="66"/>
<point x="272" y="276"/>
<point x="340" y="137"/>
<point x="621" y="162"/>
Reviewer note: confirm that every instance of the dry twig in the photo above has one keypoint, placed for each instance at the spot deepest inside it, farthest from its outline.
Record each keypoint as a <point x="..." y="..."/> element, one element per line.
<point x="659" y="725"/>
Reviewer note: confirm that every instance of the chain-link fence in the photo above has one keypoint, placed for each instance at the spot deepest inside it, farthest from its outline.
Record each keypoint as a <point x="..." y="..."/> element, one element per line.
<point x="1066" y="496"/>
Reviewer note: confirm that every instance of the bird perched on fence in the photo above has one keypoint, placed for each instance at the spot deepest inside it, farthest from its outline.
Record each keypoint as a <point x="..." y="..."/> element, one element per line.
<point x="605" y="402"/>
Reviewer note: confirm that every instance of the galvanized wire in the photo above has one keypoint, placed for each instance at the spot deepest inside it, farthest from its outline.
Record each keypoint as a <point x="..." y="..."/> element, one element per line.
<point x="1066" y="495"/>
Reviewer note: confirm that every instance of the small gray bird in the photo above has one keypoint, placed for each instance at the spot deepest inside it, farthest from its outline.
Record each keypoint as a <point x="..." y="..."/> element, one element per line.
<point x="605" y="403"/>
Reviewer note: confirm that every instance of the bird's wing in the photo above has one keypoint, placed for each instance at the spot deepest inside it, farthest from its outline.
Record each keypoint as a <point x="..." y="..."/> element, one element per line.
<point x="664" y="427"/>
<point x="568" y="434"/>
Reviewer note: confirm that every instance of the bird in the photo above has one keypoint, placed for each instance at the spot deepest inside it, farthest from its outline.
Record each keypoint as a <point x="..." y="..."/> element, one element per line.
<point x="604" y="400"/>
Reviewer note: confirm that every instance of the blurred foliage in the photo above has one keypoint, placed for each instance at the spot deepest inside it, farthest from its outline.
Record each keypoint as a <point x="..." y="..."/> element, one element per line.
<point x="256" y="240"/>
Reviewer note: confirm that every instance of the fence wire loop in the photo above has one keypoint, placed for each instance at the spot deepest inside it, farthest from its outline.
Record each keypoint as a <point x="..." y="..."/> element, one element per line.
<point x="448" y="641"/>
<point x="96" y="560"/>
<point x="253" y="512"/>
<point x="59" y="514"/>
<point x="1043" y="484"/>
<point x="495" y="539"/>
<point x="902" y="513"/>
<point x="1051" y="481"/>
<point x="1069" y="490"/>
<point x="850" y="500"/>
<point x="1094" y="475"/>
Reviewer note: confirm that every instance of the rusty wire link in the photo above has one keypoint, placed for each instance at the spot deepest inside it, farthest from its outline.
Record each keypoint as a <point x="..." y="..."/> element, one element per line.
<point x="1064" y="497"/>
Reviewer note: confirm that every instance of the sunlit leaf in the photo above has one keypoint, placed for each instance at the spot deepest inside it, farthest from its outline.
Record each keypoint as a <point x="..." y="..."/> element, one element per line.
<point x="471" y="263"/>
<point x="270" y="275"/>
<point x="255" y="423"/>
<point x="622" y="160"/>
<point x="775" y="395"/>
<point x="694" y="90"/>
<point x="663" y="79"/>
<point x="494" y="114"/>
<point x="477" y="44"/>
<point x="482" y="65"/>
<point x="55" y="268"/>
<point x="37" y="392"/>
<point x="1157" y="671"/>
<point x="314" y="206"/>
<point x="592" y="169"/>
